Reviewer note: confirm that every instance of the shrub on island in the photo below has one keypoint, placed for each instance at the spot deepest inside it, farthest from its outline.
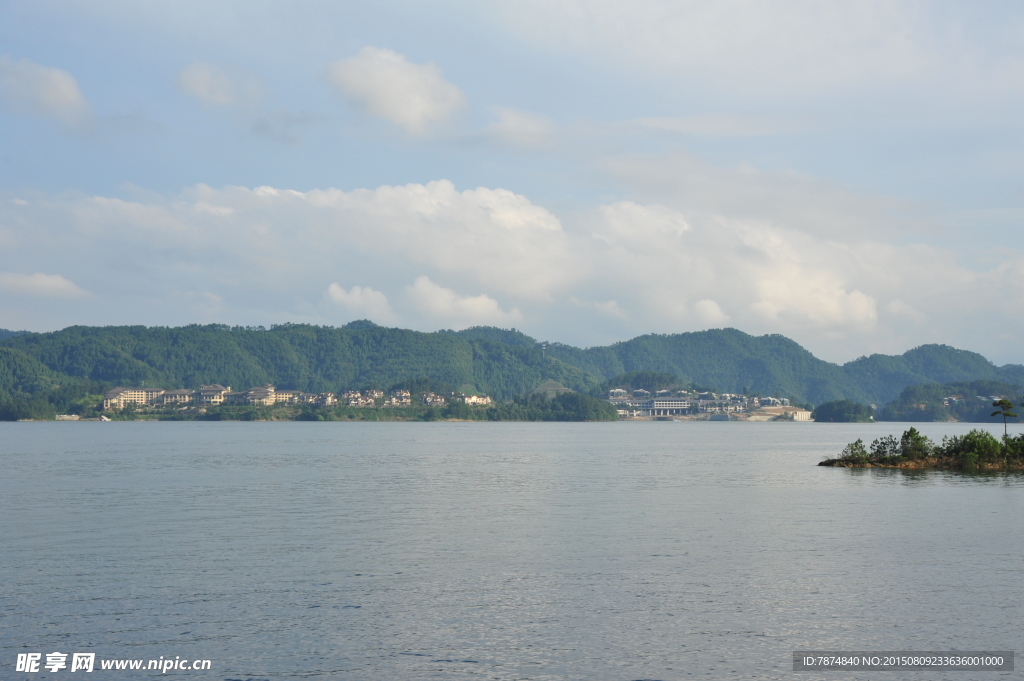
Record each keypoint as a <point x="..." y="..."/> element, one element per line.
<point x="977" y="449"/>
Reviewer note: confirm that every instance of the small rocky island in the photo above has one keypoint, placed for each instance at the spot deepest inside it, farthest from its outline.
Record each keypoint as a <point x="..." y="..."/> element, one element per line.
<point x="977" y="450"/>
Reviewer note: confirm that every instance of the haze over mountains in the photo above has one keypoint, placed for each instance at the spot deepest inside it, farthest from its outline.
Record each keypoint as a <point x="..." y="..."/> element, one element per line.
<point x="500" y="362"/>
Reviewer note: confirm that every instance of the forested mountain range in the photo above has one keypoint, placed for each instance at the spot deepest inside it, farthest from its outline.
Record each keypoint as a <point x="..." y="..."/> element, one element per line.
<point x="731" y="360"/>
<point x="501" y="362"/>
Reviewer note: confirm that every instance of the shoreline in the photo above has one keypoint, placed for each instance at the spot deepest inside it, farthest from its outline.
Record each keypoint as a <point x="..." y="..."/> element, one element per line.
<point x="926" y="465"/>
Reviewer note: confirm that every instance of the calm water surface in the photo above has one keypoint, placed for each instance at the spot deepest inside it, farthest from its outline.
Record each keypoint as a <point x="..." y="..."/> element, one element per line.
<point x="494" y="550"/>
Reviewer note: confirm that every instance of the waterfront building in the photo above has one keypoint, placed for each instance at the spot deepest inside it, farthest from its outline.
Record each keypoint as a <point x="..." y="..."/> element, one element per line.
<point x="667" y="407"/>
<point x="211" y="394"/>
<point x="177" y="397"/>
<point x="119" y="398"/>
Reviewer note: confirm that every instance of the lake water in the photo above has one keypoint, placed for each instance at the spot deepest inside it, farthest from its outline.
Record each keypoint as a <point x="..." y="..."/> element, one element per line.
<point x="495" y="550"/>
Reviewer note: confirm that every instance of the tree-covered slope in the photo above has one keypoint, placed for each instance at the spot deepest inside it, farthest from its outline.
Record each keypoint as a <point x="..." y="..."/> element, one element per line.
<point x="885" y="376"/>
<point x="492" y="333"/>
<point x="501" y="362"/>
<point x="292" y="356"/>
<point x="930" y="401"/>
<point x="22" y="375"/>
<point x="730" y="360"/>
<point x="723" y="359"/>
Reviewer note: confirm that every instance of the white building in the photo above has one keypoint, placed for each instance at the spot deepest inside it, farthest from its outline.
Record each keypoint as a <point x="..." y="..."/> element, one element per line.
<point x="119" y="398"/>
<point x="667" y="407"/>
<point x="474" y="399"/>
<point x="211" y="394"/>
<point x="177" y="396"/>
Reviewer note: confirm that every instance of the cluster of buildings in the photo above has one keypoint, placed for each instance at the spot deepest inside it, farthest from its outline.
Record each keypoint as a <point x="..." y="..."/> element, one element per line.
<point x="403" y="398"/>
<point x="642" y="403"/>
<point x="367" y="398"/>
<point x="951" y="400"/>
<point x="434" y="400"/>
<point x="268" y="395"/>
<point x="213" y="395"/>
<point x="955" y="400"/>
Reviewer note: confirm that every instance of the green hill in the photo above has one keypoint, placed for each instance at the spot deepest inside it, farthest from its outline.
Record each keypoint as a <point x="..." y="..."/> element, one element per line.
<point x="505" y="363"/>
<point x="726" y="360"/>
<point x="971" y="401"/>
<point x="291" y="356"/>
<point x="884" y="376"/>
<point x="506" y="336"/>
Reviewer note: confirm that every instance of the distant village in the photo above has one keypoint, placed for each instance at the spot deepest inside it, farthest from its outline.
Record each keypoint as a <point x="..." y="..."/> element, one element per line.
<point x="642" y="404"/>
<point x="639" y="404"/>
<point x="267" y="395"/>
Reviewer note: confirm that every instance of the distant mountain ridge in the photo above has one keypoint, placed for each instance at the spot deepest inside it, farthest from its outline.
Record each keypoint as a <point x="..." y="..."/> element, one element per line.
<point x="501" y="362"/>
<point x="732" y="360"/>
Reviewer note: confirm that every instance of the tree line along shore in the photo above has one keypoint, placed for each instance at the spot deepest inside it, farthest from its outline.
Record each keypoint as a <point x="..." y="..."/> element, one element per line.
<point x="534" y="407"/>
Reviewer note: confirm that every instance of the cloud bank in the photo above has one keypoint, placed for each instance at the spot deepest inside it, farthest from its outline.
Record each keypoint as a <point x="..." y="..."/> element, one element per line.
<point x="430" y="256"/>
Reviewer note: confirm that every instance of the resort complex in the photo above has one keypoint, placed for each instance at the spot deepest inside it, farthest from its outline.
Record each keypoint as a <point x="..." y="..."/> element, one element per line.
<point x="638" y="404"/>
<point x="267" y="395"/>
<point x="641" y="404"/>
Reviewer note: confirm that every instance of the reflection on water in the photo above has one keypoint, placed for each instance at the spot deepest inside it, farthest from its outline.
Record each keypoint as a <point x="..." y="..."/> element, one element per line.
<point x="945" y="477"/>
<point x="500" y="551"/>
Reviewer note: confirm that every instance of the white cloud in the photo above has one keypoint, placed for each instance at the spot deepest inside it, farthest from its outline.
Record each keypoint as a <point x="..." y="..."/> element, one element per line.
<point x="39" y="284"/>
<point x="521" y="127"/>
<point x="629" y="219"/>
<point x="497" y="238"/>
<point x="214" y="86"/>
<point x="619" y="270"/>
<point x="210" y="209"/>
<point x="767" y="275"/>
<point x="708" y="312"/>
<point x="385" y="84"/>
<point x="42" y="90"/>
<point x="363" y="302"/>
<point x="492" y="239"/>
<point x="445" y="307"/>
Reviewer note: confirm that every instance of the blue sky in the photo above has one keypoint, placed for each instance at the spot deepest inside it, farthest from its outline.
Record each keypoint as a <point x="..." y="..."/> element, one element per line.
<point x="847" y="174"/>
